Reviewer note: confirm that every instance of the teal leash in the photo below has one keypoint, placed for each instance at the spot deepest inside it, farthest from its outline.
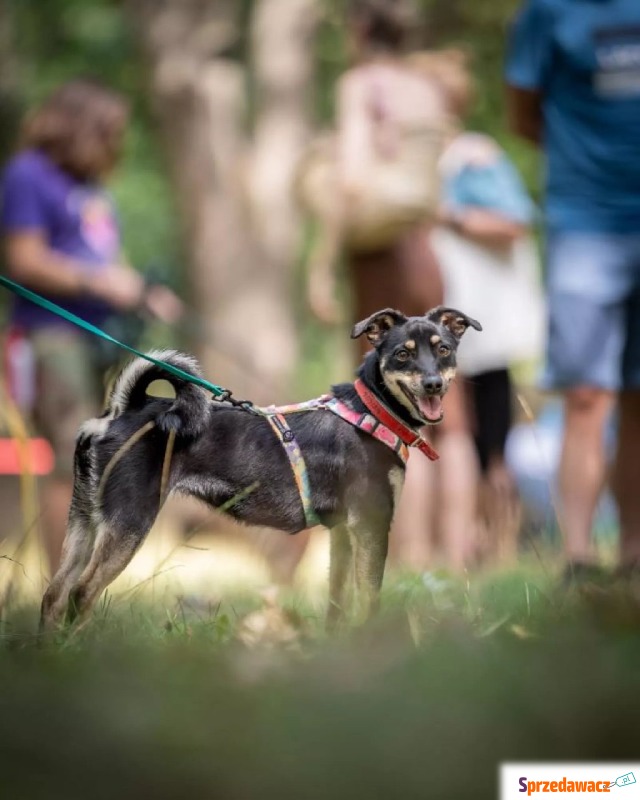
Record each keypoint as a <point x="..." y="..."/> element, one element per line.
<point x="27" y="294"/>
<point x="295" y="459"/>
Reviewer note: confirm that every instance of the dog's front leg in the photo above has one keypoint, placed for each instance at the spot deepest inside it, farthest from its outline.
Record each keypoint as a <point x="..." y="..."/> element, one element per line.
<point x="370" y="543"/>
<point x="340" y="572"/>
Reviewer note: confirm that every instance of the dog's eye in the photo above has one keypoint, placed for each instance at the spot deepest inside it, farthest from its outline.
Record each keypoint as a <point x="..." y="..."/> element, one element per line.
<point x="443" y="350"/>
<point x="403" y="355"/>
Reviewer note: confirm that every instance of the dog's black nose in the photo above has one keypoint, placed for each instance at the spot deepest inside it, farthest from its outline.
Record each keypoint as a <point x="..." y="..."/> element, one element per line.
<point x="432" y="384"/>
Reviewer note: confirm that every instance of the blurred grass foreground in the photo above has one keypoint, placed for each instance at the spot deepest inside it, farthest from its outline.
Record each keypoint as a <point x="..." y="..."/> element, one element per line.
<point x="169" y="695"/>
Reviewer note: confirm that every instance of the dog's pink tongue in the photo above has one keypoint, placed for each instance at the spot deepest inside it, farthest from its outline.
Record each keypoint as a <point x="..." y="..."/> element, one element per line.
<point x="431" y="407"/>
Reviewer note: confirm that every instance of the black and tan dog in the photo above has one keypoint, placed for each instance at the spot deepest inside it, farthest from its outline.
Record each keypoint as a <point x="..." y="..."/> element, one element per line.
<point x="226" y="455"/>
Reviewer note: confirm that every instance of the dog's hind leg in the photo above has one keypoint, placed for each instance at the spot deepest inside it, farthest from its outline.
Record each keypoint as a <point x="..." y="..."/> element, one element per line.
<point x="78" y="543"/>
<point x="340" y="569"/>
<point x="113" y="550"/>
<point x="76" y="553"/>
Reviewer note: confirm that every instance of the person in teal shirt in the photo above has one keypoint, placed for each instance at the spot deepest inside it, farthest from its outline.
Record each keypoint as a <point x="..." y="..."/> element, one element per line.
<point x="573" y="77"/>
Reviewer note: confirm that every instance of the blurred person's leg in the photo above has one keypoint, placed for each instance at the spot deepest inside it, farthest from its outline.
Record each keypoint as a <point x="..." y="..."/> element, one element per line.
<point x="491" y="398"/>
<point x="583" y="468"/>
<point x="457" y="496"/>
<point x="625" y="480"/>
<point x="66" y="397"/>
<point x="411" y="543"/>
<point x="589" y="285"/>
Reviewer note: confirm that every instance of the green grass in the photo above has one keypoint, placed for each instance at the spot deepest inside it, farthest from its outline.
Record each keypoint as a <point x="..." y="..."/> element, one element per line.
<point x="162" y="701"/>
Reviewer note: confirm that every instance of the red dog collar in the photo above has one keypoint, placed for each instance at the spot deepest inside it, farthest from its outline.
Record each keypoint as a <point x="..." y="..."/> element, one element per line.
<point x="395" y="425"/>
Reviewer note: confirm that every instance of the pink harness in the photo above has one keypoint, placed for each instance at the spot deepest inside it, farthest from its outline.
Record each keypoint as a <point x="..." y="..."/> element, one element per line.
<point x="276" y="416"/>
<point x="365" y="422"/>
<point x="369" y="424"/>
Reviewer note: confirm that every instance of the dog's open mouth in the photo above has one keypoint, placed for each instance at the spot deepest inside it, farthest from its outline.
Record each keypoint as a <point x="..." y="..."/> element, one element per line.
<point x="429" y="406"/>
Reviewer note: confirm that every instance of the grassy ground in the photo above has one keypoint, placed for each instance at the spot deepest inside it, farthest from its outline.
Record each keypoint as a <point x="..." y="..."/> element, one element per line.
<point x="174" y="699"/>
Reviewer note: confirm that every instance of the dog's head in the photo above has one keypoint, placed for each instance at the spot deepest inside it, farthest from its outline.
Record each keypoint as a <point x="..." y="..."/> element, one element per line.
<point x="417" y="356"/>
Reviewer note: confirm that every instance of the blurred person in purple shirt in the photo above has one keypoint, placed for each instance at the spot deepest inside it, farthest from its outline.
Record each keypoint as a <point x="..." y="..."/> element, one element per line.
<point x="61" y="238"/>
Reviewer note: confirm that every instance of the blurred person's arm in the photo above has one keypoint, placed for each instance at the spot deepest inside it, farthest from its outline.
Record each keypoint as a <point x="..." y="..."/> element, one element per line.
<point x="24" y="220"/>
<point x="30" y="261"/>
<point x="488" y="202"/>
<point x="485" y="226"/>
<point x="529" y="55"/>
<point x="524" y="112"/>
<point x="163" y="303"/>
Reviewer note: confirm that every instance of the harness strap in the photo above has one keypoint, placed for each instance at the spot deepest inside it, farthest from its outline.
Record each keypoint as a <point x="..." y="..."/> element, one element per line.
<point x="381" y="424"/>
<point x="295" y="408"/>
<point x="369" y="424"/>
<point x="298" y="466"/>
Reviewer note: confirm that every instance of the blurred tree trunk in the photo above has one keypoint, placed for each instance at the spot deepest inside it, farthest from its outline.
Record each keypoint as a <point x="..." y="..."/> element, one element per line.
<point x="239" y="225"/>
<point x="281" y="47"/>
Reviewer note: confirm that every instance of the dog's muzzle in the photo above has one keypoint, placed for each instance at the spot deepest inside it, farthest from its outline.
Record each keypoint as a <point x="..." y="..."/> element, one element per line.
<point x="428" y="405"/>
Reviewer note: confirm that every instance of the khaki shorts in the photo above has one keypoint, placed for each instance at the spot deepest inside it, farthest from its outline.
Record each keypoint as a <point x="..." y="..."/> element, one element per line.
<point x="67" y="391"/>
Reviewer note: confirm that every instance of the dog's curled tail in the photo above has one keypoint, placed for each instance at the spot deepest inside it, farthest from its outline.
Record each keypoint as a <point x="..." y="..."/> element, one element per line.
<point x="187" y="415"/>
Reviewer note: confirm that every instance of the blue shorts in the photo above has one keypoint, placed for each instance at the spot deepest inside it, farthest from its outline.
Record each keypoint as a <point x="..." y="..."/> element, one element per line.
<point x="593" y="287"/>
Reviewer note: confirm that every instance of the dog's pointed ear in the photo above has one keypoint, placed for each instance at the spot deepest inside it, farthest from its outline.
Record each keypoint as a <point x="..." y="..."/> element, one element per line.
<point x="378" y="325"/>
<point x="454" y="320"/>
